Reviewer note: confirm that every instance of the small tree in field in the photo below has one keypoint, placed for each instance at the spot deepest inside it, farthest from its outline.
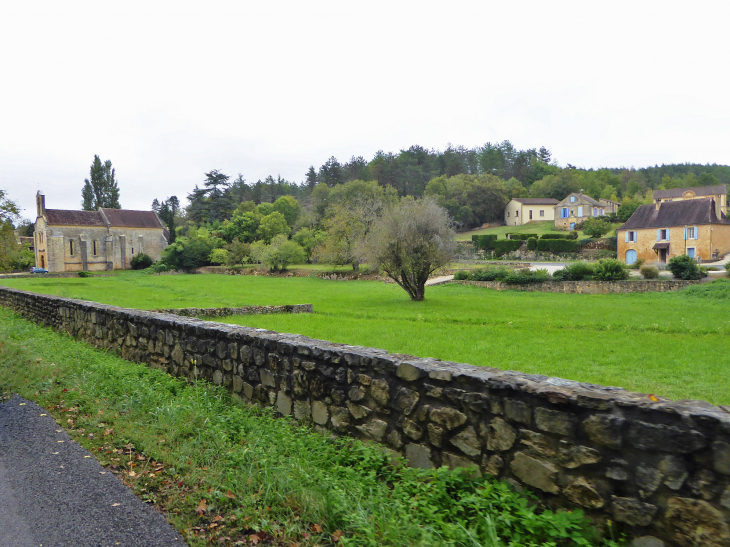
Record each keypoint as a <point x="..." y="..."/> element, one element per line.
<point x="409" y="242"/>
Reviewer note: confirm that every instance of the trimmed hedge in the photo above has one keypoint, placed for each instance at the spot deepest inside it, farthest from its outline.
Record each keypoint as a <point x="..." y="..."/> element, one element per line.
<point x="504" y="246"/>
<point x="483" y="242"/>
<point x="556" y="246"/>
<point x="522" y="237"/>
<point x="504" y="275"/>
<point x="569" y="235"/>
<point x="532" y="244"/>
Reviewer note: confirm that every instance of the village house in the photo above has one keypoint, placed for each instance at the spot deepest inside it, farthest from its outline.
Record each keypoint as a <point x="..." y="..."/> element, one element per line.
<point x="609" y="206"/>
<point x="718" y="193"/>
<point x="524" y="210"/>
<point x="664" y="229"/>
<point x="106" y="239"/>
<point x="576" y="208"/>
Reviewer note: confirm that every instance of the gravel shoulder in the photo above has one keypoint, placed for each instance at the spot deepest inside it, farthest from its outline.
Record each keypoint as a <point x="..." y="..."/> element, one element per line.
<point x="53" y="493"/>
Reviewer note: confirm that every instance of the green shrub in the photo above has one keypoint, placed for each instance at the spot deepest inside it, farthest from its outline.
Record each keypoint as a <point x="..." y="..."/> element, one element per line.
<point x="610" y="270"/>
<point x="140" y="261"/>
<point x="159" y="267"/>
<point x="506" y="275"/>
<point x="596" y="227"/>
<point x="532" y="244"/>
<point x="521" y="237"/>
<point x="636" y="265"/>
<point x="83" y="274"/>
<point x="554" y="236"/>
<point x="579" y="271"/>
<point x="684" y="267"/>
<point x="483" y="242"/>
<point x="487" y="274"/>
<point x="504" y="246"/>
<point x="727" y="268"/>
<point x="218" y="256"/>
<point x="461" y="275"/>
<point x="557" y="246"/>
<point x="649" y="272"/>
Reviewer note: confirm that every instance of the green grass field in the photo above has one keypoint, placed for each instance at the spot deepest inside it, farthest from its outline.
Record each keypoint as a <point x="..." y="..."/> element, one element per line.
<point x="544" y="227"/>
<point x="672" y="344"/>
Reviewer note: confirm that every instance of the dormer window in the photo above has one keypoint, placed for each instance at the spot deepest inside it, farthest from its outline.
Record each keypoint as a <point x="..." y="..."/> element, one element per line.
<point x="572" y="199"/>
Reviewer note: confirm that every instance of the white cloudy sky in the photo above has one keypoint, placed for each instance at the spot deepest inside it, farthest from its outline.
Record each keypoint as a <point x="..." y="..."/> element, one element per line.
<point x="169" y="90"/>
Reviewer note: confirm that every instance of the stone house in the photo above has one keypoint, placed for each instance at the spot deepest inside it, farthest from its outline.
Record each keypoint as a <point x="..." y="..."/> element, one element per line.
<point x="718" y="193"/>
<point x="107" y="239"/>
<point x="659" y="231"/>
<point x="609" y="206"/>
<point x="576" y="208"/>
<point x="524" y="210"/>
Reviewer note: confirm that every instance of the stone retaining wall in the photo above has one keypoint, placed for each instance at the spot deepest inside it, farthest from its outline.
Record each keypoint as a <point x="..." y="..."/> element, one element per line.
<point x="245" y="310"/>
<point x="589" y="287"/>
<point x="655" y="468"/>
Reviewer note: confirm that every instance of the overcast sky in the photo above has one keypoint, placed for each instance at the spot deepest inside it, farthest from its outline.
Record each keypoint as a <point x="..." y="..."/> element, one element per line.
<point x="170" y="90"/>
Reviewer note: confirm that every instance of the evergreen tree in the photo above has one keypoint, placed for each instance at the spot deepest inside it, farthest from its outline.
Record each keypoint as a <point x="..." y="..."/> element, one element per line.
<point x="311" y="178"/>
<point x="100" y="189"/>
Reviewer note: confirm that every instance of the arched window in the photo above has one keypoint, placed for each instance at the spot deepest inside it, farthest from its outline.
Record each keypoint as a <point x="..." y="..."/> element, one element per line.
<point x="630" y="256"/>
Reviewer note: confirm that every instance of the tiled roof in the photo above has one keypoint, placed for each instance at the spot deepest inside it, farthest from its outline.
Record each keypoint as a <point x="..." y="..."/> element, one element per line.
<point x="536" y="201"/>
<point x="674" y="213"/>
<point x="698" y="191"/>
<point x="585" y="198"/>
<point x="132" y="219"/>
<point x="74" y="218"/>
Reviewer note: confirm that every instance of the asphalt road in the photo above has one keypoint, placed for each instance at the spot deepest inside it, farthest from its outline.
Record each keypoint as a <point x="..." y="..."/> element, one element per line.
<point x="54" y="494"/>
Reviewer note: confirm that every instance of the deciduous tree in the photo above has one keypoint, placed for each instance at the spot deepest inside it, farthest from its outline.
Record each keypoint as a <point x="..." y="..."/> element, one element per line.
<point x="410" y="242"/>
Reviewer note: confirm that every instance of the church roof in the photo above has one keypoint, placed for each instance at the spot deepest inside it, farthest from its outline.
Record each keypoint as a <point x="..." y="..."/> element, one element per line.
<point x="74" y="218"/>
<point x="132" y="219"/>
<point x="104" y="217"/>
<point x="674" y="213"/>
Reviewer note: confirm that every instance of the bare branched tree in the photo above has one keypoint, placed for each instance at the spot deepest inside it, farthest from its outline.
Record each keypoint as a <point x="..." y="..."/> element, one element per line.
<point x="409" y="242"/>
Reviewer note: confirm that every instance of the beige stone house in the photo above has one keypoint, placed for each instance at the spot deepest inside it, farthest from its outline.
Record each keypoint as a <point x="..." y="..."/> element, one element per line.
<point x="718" y="193"/>
<point x="662" y="230"/>
<point x="576" y="208"/>
<point x="524" y="210"/>
<point x="106" y="239"/>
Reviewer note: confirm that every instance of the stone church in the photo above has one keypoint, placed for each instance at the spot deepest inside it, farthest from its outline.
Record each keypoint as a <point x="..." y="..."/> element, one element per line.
<point x="106" y="239"/>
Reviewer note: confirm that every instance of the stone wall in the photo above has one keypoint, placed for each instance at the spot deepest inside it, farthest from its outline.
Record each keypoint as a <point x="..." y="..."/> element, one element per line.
<point x="655" y="468"/>
<point x="589" y="287"/>
<point x="245" y="310"/>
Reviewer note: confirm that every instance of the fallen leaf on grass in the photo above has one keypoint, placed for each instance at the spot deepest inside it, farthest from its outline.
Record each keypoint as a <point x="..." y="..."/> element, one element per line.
<point x="230" y="495"/>
<point x="315" y="528"/>
<point x="132" y="474"/>
<point x="337" y="535"/>
<point x="108" y="432"/>
<point x="202" y="508"/>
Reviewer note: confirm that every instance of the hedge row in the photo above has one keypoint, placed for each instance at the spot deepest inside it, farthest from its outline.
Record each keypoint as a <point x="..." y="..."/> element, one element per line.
<point x="521" y="237"/>
<point x="569" y="235"/>
<point x="557" y="246"/>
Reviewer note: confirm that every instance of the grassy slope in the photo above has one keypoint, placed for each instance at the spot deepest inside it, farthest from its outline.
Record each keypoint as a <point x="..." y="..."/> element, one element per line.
<point x="669" y="344"/>
<point x="542" y="227"/>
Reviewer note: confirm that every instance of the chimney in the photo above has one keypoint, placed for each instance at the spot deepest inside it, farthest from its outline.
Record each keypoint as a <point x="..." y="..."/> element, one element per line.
<point x="40" y="201"/>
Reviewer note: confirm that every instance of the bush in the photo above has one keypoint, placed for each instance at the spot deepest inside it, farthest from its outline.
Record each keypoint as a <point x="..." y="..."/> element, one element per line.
<point x="557" y="246"/>
<point x="579" y="271"/>
<point x="521" y="237"/>
<point x="636" y="265"/>
<point x="727" y="269"/>
<point x="159" y="267"/>
<point x="283" y="252"/>
<point x="141" y="261"/>
<point x="483" y="242"/>
<point x="610" y="270"/>
<point x="83" y="274"/>
<point x="505" y="275"/>
<point x="649" y="272"/>
<point x="532" y="244"/>
<point x="684" y="267"/>
<point x="504" y="246"/>
<point x="554" y="236"/>
<point x="218" y="256"/>
<point x="461" y="275"/>
<point x="596" y="227"/>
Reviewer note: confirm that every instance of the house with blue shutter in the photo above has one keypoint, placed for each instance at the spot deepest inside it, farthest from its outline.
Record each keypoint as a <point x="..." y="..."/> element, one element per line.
<point x="576" y="208"/>
<point x="665" y="229"/>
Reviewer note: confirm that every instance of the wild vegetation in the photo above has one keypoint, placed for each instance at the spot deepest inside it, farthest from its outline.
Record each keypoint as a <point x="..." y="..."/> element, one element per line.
<point x="662" y="343"/>
<point x="225" y="473"/>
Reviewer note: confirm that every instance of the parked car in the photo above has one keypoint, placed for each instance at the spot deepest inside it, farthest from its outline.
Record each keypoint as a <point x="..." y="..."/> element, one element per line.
<point x="36" y="269"/>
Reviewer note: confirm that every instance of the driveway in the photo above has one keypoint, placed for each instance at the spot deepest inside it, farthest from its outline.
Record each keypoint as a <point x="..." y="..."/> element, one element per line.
<point x="53" y="493"/>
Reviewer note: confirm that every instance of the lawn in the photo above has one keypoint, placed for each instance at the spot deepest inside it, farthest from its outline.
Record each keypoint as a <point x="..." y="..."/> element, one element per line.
<point x="543" y="227"/>
<point x="671" y="344"/>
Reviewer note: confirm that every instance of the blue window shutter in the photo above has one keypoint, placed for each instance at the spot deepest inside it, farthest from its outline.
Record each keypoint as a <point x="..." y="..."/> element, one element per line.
<point x="626" y="234"/>
<point x="658" y="235"/>
<point x="685" y="233"/>
<point x="667" y="235"/>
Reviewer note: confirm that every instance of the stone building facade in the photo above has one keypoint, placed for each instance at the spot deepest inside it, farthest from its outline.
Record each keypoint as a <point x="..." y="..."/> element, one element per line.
<point x="660" y="231"/>
<point x="107" y="239"/>
<point x="524" y="210"/>
<point x="576" y="208"/>
<point x="718" y="193"/>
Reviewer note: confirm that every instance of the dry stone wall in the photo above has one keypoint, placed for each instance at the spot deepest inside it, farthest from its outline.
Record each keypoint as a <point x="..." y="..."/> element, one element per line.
<point x="589" y="287"/>
<point x="659" y="470"/>
<point x="245" y="310"/>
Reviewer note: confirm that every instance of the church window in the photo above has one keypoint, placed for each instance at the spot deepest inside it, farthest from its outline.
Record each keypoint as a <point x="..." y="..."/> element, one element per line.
<point x="71" y="246"/>
<point x="95" y="247"/>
